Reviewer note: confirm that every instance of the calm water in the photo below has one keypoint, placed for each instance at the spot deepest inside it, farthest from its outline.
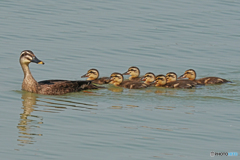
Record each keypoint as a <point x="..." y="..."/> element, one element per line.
<point x="158" y="36"/>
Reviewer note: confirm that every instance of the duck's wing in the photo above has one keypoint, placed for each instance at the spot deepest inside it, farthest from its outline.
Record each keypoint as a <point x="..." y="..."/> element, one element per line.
<point x="57" y="87"/>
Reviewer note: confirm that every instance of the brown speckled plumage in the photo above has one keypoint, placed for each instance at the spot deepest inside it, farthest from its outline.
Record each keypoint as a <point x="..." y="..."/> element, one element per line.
<point x="49" y="87"/>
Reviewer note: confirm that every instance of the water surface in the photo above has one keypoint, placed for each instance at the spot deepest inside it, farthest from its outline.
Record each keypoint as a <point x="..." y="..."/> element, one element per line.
<point x="114" y="123"/>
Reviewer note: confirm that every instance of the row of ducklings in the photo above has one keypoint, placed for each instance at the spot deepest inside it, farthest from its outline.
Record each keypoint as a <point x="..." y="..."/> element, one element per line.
<point x="169" y="81"/>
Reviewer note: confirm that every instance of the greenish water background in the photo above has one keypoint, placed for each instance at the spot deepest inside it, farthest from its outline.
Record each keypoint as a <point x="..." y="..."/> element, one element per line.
<point x="158" y="36"/>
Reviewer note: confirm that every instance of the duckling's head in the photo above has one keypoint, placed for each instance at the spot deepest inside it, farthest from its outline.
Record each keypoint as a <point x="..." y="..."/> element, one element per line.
<point x="116" y="78"/>
<point x="27" y="57"/>
<point x="190" y="74"/>
<point x="92" y="74"/>
<point x="161" y="80"/>
<point x="171" y="77"/>
<point x="148" y="78"/>
<point x="133" y="71"/>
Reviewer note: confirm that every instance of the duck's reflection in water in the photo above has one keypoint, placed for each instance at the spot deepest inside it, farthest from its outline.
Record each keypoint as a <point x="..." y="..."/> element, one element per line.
<point x="28" y="123"/>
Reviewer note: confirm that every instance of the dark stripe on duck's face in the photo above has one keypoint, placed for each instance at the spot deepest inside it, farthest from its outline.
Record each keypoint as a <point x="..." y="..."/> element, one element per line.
<point x="160" y="79"/>
<point x="93" y="72"/>
<point x="27" y="52"/>
<point x="170" y="75"/>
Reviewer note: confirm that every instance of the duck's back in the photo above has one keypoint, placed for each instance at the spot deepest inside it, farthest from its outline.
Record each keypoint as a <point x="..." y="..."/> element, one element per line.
<point x="58" y="87"/>
<point x="133" y="85"/>
<point x="180" y="84"/>
<point x="102" y="80"/>
<point x="187" y="81"/>
<point x="136" y="79"/>
<point x="211" y="80"/>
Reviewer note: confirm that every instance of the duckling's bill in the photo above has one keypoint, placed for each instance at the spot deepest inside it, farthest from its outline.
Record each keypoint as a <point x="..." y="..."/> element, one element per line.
<point x="182" y="76"/>
<point x="126" y="73"/>
<point x="85" y="75"/>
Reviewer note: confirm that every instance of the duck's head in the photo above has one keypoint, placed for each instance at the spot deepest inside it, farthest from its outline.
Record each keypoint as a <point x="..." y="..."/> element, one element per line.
<point x="171" y="77"/>
<point x="27" y="57"/>
<point x="160" y="80"/>
<point x="133" y="71"/>
<point x="190" y="74"/>
<point x="92" y="74"/>
<point x="149" y="78"/>
<point x="116" y="78"/>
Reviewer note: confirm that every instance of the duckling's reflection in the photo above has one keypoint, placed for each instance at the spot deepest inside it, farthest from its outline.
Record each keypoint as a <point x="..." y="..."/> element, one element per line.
<point x="115" y="89"/>
<point x="27" y="123"/>
<point x="164" y="91"/>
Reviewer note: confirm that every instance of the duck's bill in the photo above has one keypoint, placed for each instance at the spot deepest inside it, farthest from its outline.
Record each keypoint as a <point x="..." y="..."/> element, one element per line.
<point x="36" y="60"/>
<point x="85" y="75"/>
<point x="143" y="79"/>
<point x="182" y="76"/>
<point x="126" y="73"/>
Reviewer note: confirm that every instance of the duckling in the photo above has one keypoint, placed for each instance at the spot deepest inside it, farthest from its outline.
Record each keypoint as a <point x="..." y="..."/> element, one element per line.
<point x="118" y="80"/>
<point x="172" y="77"/>
<point x="191" y="75"/>
<point x="134" y="72"/>
<point x="93" y="75"/>
<point x="161" y="81"/>
<point x="149" y="78"/>
<point x="49" y="87"/>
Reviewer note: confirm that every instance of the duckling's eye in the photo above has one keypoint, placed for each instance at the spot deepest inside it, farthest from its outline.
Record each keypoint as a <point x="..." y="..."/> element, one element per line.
<point x="23" y="54"/>
<point x="92" y="72"/>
